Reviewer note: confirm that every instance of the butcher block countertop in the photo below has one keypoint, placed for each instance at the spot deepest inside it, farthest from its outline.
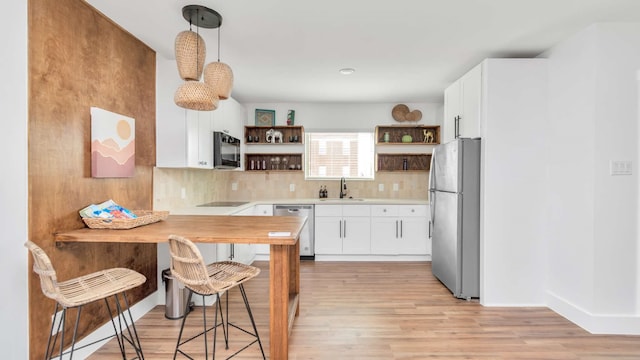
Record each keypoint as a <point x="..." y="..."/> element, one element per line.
<point x="199" y="228"/>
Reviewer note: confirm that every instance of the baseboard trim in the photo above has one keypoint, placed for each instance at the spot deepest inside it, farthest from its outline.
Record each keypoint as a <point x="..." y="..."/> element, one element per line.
<point x="601" y="324"/>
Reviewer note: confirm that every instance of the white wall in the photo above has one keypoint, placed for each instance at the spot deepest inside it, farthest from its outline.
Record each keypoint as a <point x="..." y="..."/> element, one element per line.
<point x="592" y="231"/>
<point x="14" y="335"/>
<point x="344" y="116"/>
<point x="514" y="115"/>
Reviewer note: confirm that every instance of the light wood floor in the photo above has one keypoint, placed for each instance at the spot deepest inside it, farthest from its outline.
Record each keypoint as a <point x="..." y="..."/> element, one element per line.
<point x="390" y="311"/>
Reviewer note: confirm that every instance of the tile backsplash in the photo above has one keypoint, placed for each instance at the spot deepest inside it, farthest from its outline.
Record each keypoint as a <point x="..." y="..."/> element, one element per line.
<point x="181" y="188"/>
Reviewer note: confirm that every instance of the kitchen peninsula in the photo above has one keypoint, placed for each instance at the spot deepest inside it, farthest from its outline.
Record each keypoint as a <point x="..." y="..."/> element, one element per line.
<point x="284" y="267"/>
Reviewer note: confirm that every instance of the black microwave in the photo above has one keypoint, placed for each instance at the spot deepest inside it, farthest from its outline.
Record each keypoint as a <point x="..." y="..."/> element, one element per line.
<point x="226" y="151"/>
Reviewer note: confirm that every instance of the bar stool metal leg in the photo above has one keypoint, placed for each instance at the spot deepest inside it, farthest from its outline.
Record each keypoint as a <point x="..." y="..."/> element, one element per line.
<point x="253" y="323"/>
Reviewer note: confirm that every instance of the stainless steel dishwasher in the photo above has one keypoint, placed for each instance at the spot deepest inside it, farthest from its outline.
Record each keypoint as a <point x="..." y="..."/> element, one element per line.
<point x="307" y="233"/>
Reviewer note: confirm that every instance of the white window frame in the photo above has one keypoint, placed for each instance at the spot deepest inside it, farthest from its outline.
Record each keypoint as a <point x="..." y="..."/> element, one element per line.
<point x="324" y="142"/>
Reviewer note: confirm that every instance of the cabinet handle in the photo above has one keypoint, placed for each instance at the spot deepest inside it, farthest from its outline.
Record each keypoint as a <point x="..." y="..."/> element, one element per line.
<point x="341" y="229"/>
<point x="232" y="252"/>
<point x="344" y="233"/>
<point x="429" y="228"/>
<point x="401" y="228"/>
<point x="396" y="229"/>
<point x="457" y="126"/>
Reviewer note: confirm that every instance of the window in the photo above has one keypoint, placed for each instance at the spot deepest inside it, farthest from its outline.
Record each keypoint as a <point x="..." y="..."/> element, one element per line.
<point x="333" y="155"/>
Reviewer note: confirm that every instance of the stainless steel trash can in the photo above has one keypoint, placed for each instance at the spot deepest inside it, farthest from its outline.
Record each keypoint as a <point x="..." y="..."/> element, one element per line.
<point x="176" y="296"/>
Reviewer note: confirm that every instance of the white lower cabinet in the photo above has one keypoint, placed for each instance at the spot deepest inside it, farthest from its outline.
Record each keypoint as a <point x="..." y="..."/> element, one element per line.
<point x="400" y="230"/>
<point x="342" y="229"/>
<point x="262" y="210"/>
<point x="245" y="253"/>
<point x="414" y="234"/>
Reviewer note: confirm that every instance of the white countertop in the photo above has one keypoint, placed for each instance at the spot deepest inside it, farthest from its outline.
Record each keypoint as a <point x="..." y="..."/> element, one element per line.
<point x="229" y="210"/>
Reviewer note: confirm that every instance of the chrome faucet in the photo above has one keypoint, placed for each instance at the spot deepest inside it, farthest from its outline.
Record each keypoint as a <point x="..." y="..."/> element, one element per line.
<point x="343" y="188"/>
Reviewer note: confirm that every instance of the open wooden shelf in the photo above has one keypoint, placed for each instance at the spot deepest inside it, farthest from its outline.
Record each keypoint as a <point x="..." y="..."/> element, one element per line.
<point x="260" y="161"/>
<point x="417" y="133"/>
<point x="395" y="162"/>
<point x="288" y="134"/>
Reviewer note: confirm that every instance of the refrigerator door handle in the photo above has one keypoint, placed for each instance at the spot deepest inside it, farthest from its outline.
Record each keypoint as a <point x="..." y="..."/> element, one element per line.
<point x="432" y="170"/>
<point x="432" y="205"/>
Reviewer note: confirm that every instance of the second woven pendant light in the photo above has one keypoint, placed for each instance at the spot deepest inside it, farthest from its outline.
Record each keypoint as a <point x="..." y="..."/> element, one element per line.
<point x="219" y="76"/>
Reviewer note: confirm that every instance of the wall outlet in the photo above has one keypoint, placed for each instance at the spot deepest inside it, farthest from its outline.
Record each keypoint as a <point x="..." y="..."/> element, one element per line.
<point x="234" y="186"/>
<point x="292" y="187"/>
<point x="183" y="193"/>
<point x="380" y="187"/>
<point x="396" y="187"/>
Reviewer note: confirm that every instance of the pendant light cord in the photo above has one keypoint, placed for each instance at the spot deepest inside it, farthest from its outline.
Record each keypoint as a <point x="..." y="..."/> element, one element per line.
<point x="219" y="42"/>
<point x="197" y="41"/>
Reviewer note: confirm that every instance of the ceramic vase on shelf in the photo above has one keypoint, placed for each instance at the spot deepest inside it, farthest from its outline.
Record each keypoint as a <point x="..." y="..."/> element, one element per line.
<point x="291" y="117"/>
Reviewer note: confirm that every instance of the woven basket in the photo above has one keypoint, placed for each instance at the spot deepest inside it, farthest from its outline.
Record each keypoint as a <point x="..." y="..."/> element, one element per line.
<point x="190" y="51"/>
<point x="415" y="115"/>
<point x="195" y="95"/>
<point x="399" y="112"/>
<point x="219" y="76"/>
<point x="144" y="217"/>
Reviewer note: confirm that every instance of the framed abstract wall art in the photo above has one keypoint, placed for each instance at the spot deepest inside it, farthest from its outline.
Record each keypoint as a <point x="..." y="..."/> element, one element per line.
<point x="113" y="145"/>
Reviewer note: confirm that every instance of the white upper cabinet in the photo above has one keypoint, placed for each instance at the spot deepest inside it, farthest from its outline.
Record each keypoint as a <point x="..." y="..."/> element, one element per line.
<point x="199" y="139"/>
<point x="462" y="111"/>
<point x="229" y="118"/>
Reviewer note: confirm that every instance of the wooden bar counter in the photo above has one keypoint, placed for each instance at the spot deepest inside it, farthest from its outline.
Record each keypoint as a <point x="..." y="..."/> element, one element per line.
<point x="284" y="264"/>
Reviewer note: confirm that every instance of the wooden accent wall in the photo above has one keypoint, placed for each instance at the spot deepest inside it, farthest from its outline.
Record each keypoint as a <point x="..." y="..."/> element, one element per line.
<point x="77" y="59"/>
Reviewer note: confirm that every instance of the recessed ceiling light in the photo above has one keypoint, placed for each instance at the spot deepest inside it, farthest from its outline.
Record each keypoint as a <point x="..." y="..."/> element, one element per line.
<point x="347" y="71"/>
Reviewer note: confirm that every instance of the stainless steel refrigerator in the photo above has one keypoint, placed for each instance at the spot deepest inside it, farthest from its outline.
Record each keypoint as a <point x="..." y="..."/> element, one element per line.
<point x="454" y="197"/>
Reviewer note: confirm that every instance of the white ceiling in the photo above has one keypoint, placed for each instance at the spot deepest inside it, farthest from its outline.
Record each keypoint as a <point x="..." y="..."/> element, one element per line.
<point x="402" y="50"/>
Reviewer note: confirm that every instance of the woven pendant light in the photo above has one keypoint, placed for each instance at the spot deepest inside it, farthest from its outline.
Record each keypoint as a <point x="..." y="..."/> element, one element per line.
<point x="190" y="51"/>
<point x="219" y="76"/>
<point x="196" y="95"/>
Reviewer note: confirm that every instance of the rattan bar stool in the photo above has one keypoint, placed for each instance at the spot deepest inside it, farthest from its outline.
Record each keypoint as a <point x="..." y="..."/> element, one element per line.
<point x="188" y="266"/>
<point x="77" y="292"/>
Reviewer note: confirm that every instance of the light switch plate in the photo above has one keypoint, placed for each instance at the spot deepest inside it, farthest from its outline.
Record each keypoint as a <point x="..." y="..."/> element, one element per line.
<point x="396" y="187"/>
<point x="234" y="186"/>
<point x="620" y="167"/>
<point x="380" y="187"/>
<point x="292" y="187"/>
